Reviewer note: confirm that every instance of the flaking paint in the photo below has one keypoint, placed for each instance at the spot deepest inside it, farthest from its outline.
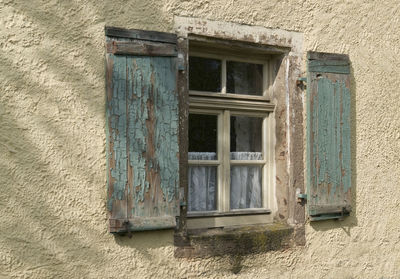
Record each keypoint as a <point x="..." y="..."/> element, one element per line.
<point x="329" y="138"/>
<point x="117" y="115"/>
<point x="153" y="79"/>
<point x="138" y="88"/>
<point x="143" y="115"/>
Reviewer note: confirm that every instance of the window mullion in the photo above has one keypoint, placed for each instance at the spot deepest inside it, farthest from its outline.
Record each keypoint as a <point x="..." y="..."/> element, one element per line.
<point x="226" y="161"/>
<point x="221" y="170"/>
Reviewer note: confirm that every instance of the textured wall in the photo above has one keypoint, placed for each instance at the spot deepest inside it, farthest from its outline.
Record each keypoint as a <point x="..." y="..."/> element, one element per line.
<point x="52" y="141"/>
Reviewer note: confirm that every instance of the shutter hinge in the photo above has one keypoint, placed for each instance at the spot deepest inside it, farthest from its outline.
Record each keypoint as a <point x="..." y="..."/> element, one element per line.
<point x="182" y="197"/>
<point x="181" y="62"/>
<point x="127" y="226"/>
<point x="301" y="197"/>
<point x="301" y="82"/>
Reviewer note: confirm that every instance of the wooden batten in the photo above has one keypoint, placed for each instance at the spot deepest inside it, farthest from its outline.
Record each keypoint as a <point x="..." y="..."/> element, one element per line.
<point x="154" y="36"/>
<point x="141" y="48"/>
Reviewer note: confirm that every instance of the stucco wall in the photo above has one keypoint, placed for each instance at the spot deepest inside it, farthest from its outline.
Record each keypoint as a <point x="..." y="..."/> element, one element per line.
<point x="52" y="142"/>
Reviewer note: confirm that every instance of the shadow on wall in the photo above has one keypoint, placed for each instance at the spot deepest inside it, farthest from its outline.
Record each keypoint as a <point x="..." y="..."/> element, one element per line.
<point x="350" y="221"/>
<point x="52" y="144"/>
<point x="145" y="240"/>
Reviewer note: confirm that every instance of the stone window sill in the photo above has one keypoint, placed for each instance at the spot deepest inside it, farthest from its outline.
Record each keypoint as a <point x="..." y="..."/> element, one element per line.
<point x="235" y="240"/>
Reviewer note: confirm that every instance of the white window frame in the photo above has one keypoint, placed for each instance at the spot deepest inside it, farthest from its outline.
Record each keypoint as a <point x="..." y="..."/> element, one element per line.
<point x="225" y="104"/>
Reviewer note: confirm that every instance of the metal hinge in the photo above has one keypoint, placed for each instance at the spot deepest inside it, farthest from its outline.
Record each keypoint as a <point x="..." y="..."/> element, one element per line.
<point x="181" y="62"/>
<point x="301" y="82"/>
<point x="127" y="226"/>
<point x="182" y="197"/>
<point x="301" y="197"/>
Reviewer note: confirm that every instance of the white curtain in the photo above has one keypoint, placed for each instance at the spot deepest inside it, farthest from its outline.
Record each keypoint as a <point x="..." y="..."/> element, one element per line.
<point x="245" y="182"/>
<point x="202" y="183"/>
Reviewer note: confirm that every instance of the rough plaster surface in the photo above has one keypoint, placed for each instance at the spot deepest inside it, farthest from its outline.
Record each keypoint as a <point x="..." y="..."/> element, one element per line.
<point x="52" y="141"/>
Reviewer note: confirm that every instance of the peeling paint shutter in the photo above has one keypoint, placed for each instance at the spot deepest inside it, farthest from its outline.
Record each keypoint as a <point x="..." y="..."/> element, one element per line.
<point x="142" y="130"/>
<point x="328" y="136"/>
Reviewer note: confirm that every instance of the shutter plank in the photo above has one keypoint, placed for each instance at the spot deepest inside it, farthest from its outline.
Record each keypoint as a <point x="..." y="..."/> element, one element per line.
<point x="116" y="136"/>
<point x="328" y="137"/>
<point x="153" y="142"/>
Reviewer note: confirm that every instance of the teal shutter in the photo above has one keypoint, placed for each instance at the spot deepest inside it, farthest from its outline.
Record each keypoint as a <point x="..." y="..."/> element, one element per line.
<point x="142" y="130"/>
<point x="328" y="136"/>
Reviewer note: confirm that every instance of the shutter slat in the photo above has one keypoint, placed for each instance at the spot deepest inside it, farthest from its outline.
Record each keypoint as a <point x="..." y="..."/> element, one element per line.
<point x="328" y="136"/>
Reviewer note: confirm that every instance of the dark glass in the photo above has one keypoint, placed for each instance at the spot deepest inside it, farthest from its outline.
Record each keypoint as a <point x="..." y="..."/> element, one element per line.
<point x="244" y="78"/>
<point x="202" y="133"/>
<point x="246" y="187"/>
<point x="204" y="74"/>
<point x="246" y="135"/>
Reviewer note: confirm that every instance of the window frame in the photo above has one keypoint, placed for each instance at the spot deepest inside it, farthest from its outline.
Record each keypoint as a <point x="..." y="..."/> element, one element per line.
<point x="216" y="54"/>
<point x="286" y="97"/>
<point x="221" y="104"/>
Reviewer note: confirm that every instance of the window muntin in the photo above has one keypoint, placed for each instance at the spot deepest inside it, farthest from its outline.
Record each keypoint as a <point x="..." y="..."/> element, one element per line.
<point x="242" y="170"/>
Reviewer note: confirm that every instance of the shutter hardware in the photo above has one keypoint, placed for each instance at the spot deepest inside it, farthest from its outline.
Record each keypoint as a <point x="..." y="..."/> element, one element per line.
<point x="301" y="82"/>
<point x="301" y="197"/>
<point x="127" y="226"/>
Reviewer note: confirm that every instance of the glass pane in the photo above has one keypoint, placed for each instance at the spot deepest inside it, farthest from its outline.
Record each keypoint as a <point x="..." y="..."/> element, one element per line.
<point x="203" y="136"/>
<point x="202" y="188"/>
<point x="246" y="138"/>
<point x="246" y="187"/>
<point x="204" y="74"/>
<point x="244" y="78"/>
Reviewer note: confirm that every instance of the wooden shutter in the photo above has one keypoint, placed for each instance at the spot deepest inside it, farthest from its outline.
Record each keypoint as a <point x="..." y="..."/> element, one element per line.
<point x="328" y="136"/>
<point x="142" y="130"/>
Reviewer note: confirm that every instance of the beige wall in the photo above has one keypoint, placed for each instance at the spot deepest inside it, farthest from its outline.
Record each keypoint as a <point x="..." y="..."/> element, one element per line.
<point x="53" y="221"/>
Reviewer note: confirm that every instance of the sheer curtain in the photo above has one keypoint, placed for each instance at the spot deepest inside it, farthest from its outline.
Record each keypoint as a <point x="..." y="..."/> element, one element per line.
<point x="202" y="183"/>
<point x="245" y="182"/>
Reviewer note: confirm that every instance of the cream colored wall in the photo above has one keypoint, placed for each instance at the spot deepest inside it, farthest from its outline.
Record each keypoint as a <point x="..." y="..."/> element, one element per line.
<point x="52" y="142"/>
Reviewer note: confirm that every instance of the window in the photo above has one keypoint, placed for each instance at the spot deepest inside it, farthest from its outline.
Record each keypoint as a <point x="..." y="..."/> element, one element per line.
<point x="220" y="142"/>
<point x="240" y="122"/>
<point x="230" y="145"/>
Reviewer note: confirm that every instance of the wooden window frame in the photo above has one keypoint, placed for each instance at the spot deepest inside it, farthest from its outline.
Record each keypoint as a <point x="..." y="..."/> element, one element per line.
<point x="285" y="107"/>
<point x="225" y="105"/>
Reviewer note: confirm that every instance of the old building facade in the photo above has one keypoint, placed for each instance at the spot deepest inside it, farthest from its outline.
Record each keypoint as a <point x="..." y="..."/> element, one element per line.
<point x="60" y="151"/>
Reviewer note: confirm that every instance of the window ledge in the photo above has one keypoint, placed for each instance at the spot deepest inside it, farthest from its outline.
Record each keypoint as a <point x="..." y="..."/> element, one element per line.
<point x="235" y="240"/>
